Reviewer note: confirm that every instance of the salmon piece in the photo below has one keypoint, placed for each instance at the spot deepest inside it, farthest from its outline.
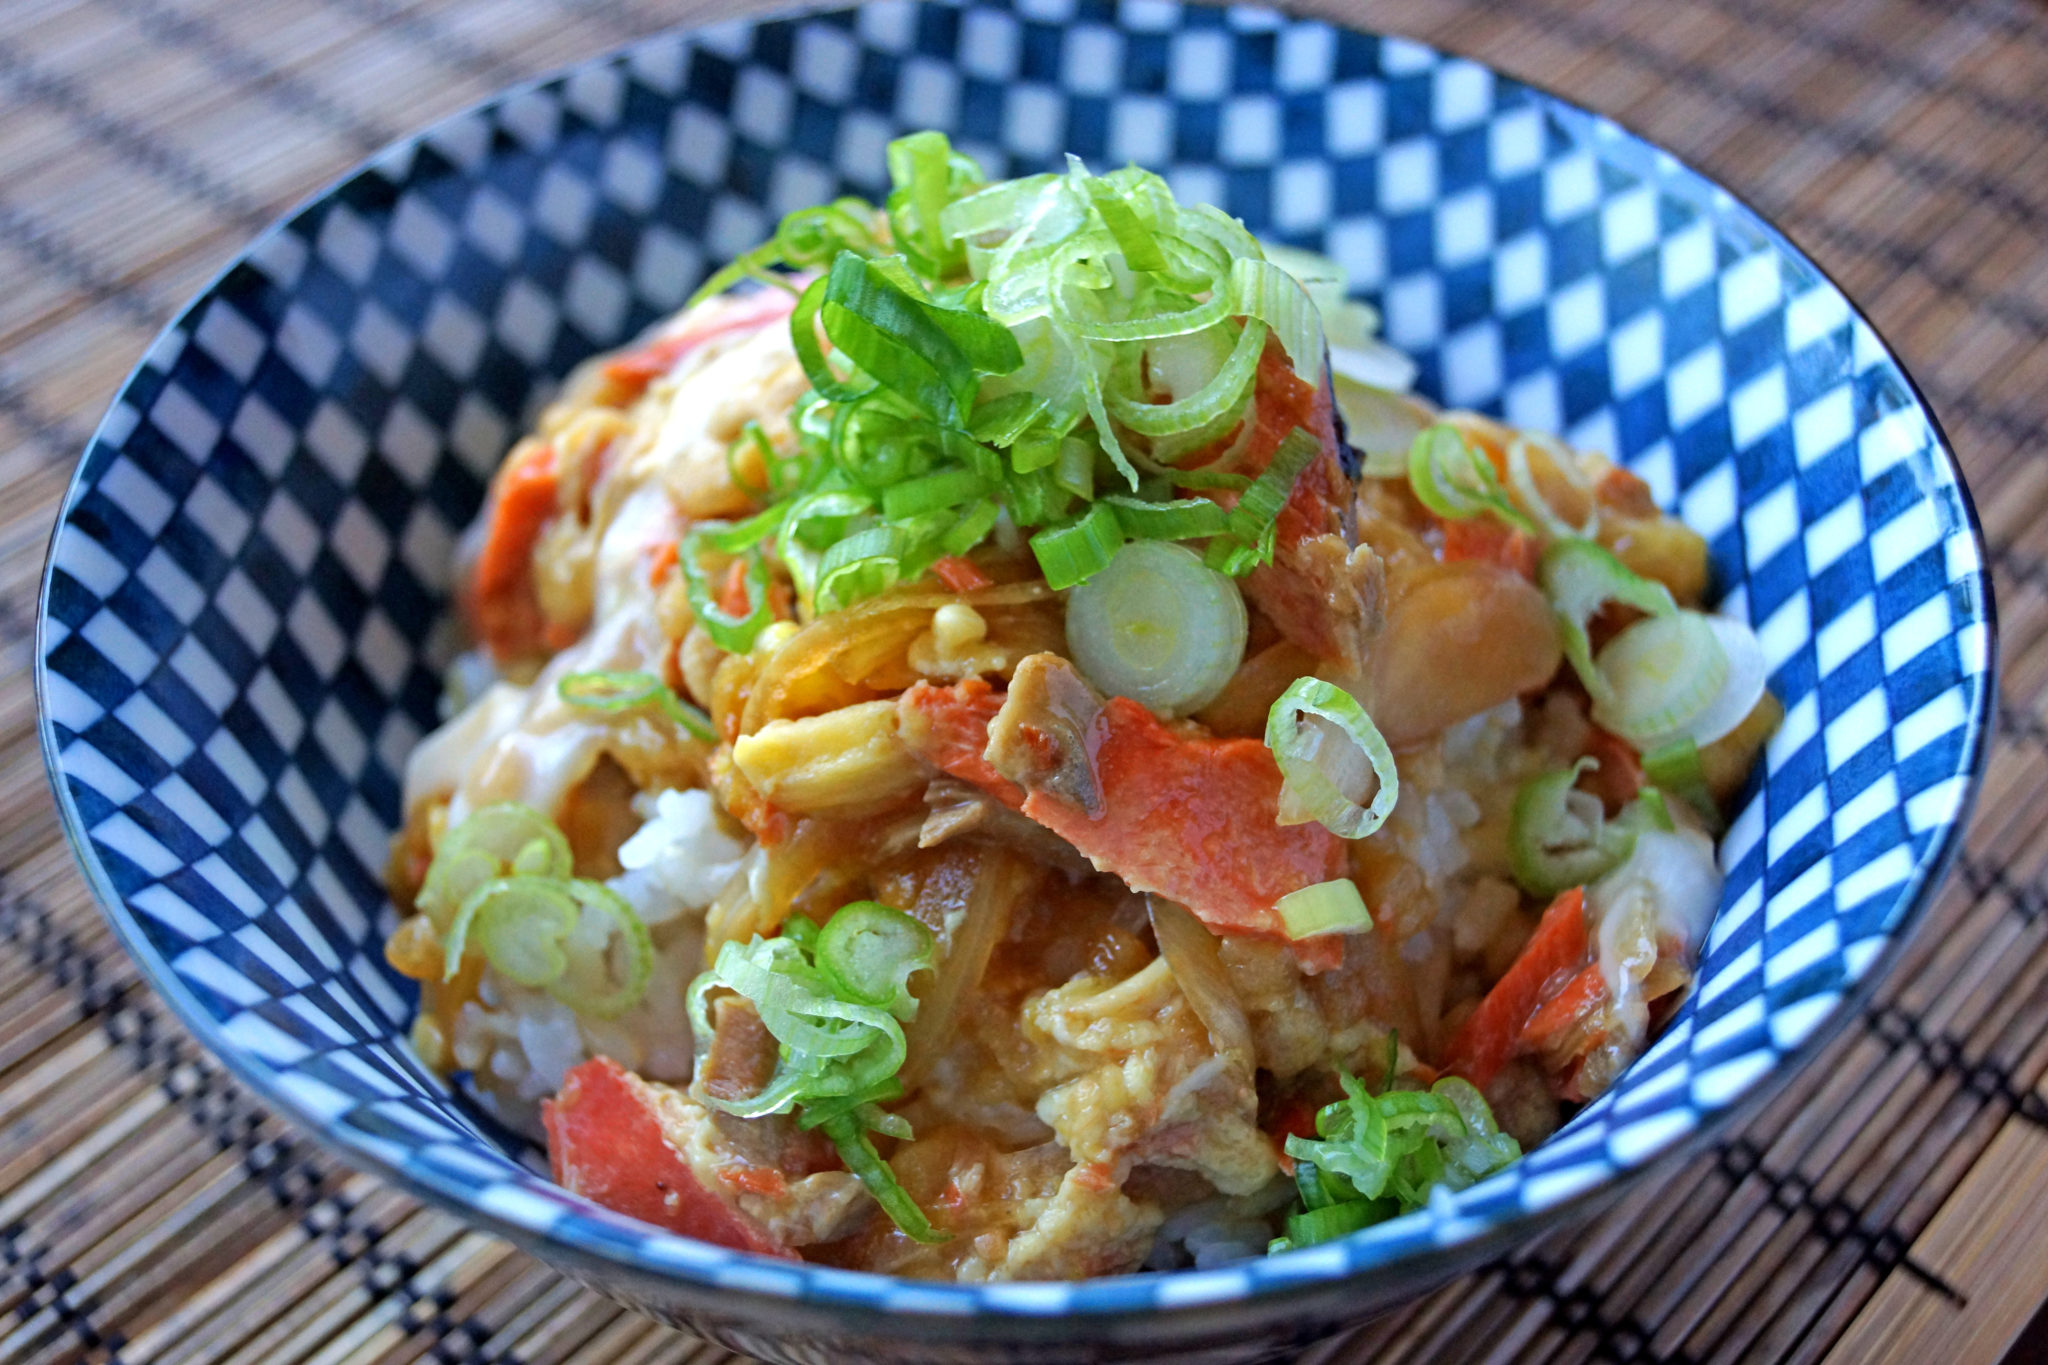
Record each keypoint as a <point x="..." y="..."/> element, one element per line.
<point x="1186" y="816"/>
<point x="1323" y="591"/>
<point x="1489" y="539"/>
<point x="1619" y="778"/>
<point x="506" y="613"/>
<point x="605" y="1142"/>
<point x="1496" y="1032"/>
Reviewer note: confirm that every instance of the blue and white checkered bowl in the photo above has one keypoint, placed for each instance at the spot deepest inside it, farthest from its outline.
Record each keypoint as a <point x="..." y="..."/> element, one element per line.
<point x="244" y="616"/>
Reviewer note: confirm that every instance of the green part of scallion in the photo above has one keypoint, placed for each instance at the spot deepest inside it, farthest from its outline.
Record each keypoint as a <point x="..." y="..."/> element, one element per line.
<point x="980" y="353"/>
<point x="1328" y="748"/>
<point x="520" y="909"/>
<point x="608" y="691"/>
<point x="1375" y="1157"/>
<point x="834" y="998"/>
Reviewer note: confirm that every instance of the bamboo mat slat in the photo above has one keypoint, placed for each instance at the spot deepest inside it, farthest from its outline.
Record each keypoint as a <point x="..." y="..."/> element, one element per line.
<point x="1889" y="1206"/>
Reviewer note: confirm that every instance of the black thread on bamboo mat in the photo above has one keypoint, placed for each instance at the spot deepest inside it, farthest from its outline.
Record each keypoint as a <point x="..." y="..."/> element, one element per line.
<point x="1881" y="60"/>
<point x="1946" y="1056"/>
<point x="2027" y="899"/>
<point x="55" y="1291"/>
<point x="219" y="1108"/>
<point x="1767" y="108"/>
<point x="449" y="49"/>
<point x="1581" y="1309"/>
<point x="71" y="265"/>
<point x="59" y="440"/>
<point x="229" y="61"/>
<point x="1835" y="1220"/>
<point x="141" y="148"/>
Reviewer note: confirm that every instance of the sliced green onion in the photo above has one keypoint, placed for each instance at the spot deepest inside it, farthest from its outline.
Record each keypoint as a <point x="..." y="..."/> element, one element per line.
<point x="933" y="492"/>
<point x="1077" y="552"/>
<point x="867" y="1165"/>
<point x="1327" y="1224"/>
<point x="745" y="535"/>
<point x="1455" y="480"/>
<point x="1579" y="577"/>
<point x="1558" y="836"/>
<point x="1319" y="1188"/>
<point x="519" y="923"/>
<point x="1266" y="292"/>
<point x="972" y="528"/>
<point x="734" y="634"/>
<point x="1662" y="674"/>
<point x="1221" y="395"/>
<point x="605" y="981"/>
<point x="1002" y="421"/>
<point x="1324" y="743"/>
<point x="1169" y="519"/>
<point x="1259" y="507"/>
<point x="1332" y="907"/>
<point x="525" y="927"/>
<point x="1157" y="626"/>
<point x="919" y="165"/>
<point x="1394" y="1148"/>
<point x="1133" y="237"/>
<point x="865" y="564"/>
<point x="502" y="840"/>
<point x="602" y="691"/>
<point x="1675" y="767"/>
<point x="839" y="1055"/>
<point x="869" y="952"/>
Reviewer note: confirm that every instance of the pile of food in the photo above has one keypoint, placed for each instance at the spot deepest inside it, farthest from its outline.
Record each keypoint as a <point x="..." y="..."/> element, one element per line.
<point x="1003" y="745"/>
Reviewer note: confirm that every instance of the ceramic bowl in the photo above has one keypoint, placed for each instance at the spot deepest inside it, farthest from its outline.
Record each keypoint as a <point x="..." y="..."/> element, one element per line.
<point x="245" y="612"/>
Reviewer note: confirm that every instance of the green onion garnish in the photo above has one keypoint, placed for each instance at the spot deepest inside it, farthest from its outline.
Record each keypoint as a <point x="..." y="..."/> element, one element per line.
<point x="627" y="691"/>
<point x="980" y="353"/>
<point x="1455" y="480"/>
<point x="1332" y="907"/>
<point x="1325" y="743"/>
<point x="1579" y="577"/>
<point x="836" y="999"/>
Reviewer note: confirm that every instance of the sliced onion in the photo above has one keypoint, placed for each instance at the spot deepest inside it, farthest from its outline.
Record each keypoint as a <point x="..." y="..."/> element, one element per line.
<point x="1191" y="955"/>
<point x="1669" y="880"/>
<point x="1523" y="480"/>
<point x="1379" y="423"/>
<point x="1159" y="627"/>
<point x="1370" y="362"/>
<point x="1663" y="675"/>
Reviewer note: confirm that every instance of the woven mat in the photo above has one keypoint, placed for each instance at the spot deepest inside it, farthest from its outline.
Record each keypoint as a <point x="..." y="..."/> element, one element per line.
<point x="1889" y="1206"/>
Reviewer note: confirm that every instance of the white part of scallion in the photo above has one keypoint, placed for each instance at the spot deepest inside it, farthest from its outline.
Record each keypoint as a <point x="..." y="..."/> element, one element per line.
<point x="1158" y="626"/>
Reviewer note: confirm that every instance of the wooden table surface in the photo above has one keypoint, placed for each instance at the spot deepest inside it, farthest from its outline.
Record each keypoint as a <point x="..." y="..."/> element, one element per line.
<point x="1893" y="1205"/>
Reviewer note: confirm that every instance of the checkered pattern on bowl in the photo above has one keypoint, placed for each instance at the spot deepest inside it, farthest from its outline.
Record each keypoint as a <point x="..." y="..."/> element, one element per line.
<point x="244" y="616"/>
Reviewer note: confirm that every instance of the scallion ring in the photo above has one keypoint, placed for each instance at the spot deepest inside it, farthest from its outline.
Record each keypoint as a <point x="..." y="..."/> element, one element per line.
<point x="1159" y="627"/>
<point x="1327" y="746"/>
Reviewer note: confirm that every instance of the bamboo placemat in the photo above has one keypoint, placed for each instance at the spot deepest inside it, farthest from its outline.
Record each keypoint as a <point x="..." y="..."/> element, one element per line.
<point x="1892" y="1205"/>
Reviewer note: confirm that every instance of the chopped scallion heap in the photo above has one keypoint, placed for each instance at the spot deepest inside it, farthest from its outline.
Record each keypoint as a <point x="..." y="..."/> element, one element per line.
<point x="1047" y="352"/>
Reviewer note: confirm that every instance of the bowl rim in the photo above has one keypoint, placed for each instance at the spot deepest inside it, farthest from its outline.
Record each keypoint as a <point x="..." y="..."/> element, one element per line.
<point x="853" y="1299"/>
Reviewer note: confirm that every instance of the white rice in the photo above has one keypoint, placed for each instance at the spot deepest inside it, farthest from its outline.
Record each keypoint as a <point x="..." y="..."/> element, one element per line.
<point x="519" y="1042"/>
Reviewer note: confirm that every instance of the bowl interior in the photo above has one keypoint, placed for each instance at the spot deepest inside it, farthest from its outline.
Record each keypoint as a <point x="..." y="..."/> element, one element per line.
<point x="244" y="615"/>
